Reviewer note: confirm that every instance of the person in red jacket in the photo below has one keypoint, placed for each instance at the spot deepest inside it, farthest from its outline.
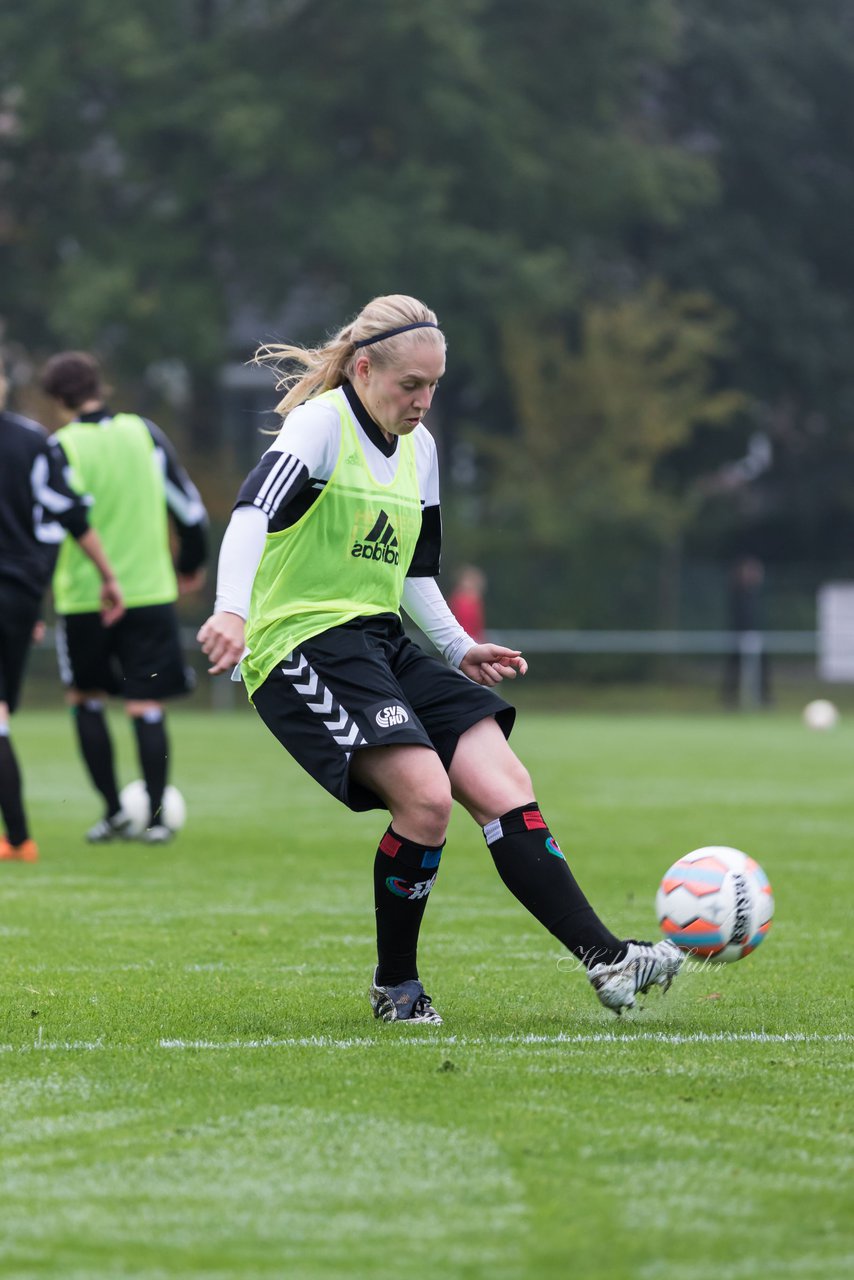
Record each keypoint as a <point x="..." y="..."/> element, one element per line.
<point x="466" y="601"/>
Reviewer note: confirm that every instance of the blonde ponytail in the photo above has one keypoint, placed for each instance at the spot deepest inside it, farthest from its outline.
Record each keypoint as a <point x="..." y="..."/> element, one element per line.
<point x="323" y="368"/>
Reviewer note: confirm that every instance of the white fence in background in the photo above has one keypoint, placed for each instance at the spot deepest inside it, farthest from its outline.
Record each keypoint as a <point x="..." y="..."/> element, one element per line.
<point x="751" y="647"/>
<point x="659" y="642"/>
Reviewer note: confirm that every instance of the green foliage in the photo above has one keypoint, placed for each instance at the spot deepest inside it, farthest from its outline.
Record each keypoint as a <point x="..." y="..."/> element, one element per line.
<point x="764" y="90"/>
<point x="191" y="160"/>
<point x="582" y="503"/>
<point x="595" y="422"/>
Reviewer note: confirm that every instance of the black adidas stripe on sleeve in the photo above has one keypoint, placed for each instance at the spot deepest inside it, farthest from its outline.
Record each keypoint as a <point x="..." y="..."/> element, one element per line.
<point x="273" y="484"/>
<point x="427" y="556"/>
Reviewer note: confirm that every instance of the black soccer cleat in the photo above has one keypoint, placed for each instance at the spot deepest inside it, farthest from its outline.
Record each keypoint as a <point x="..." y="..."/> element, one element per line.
<point x="407" y="1002"/>
<point x="105" y="830"/>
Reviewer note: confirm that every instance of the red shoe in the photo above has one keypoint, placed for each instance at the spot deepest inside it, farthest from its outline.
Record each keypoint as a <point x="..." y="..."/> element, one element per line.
<point x="26" y="851"/>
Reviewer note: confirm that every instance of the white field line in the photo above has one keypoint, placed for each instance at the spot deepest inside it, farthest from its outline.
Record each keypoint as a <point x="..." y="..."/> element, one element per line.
<point x="409" y="1038"/>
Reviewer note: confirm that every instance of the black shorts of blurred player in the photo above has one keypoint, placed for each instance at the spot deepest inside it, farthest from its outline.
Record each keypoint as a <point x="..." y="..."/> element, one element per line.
<point x="138" y="659"/>
<point x="366" y="684"/>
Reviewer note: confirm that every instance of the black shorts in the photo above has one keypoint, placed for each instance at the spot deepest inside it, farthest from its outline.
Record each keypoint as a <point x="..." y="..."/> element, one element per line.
<point x="137" y="659"/>
<point x="19" y="613"/>
<point x="366" y="684"/>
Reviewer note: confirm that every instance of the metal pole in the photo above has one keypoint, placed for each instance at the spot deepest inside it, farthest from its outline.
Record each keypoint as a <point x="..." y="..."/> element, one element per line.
<point x="750" y="669"/>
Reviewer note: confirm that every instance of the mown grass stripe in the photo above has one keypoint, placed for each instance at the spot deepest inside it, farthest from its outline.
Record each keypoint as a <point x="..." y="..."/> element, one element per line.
<point x="409" y="1038"/>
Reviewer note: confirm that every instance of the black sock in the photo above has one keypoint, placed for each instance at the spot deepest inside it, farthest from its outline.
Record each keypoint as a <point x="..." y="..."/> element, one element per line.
<point x="153" y="747"/>
<point x="96" y="748"/>
<point x="404" y="874"/>
<point x="530" y="863"/>
<point x="11" y="793"/>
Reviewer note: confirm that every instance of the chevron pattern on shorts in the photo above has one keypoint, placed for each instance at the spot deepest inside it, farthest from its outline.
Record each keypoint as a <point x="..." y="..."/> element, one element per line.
<point x="308" y="684"/>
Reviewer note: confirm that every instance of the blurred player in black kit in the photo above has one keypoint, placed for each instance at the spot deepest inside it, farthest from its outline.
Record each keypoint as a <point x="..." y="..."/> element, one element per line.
<point x="37" y="508"/>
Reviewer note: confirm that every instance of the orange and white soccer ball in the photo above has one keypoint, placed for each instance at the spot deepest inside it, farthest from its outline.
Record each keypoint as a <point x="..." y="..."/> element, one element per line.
<point x="715" y="902"/>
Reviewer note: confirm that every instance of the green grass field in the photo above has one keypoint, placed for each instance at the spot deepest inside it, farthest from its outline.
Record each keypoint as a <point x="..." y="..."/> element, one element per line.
<point x="193" y="1086"/>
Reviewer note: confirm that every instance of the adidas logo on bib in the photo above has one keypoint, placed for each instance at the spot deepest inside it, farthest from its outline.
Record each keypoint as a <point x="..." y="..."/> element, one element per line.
<point x="380" y="544"/>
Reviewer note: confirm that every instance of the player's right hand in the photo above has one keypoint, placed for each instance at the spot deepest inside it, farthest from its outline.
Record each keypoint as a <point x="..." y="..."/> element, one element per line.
<point x="223" y="640"/>
<point x="112" y="602"/>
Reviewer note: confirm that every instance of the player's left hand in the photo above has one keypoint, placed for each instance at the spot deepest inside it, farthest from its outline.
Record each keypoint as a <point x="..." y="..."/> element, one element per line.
<point x="222" y="638"/>
<point x="112" y="602"/>
<point x="491" y="663"/>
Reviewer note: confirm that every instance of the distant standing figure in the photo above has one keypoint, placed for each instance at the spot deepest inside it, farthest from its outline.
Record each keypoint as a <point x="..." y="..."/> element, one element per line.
<point x="37" y="508"/>
<point x="746" y="624"/>
<point x="466" y="601"/>
<point x="135" y="480"/>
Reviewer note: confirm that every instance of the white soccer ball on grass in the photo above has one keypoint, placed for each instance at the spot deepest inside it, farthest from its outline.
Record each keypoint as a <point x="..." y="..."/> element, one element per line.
<point x="820" y="714"/>
<point x="135" y="802"/>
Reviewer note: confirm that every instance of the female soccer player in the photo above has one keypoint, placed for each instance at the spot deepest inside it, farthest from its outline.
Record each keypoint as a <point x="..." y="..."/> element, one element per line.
<point x="336" y="528"/>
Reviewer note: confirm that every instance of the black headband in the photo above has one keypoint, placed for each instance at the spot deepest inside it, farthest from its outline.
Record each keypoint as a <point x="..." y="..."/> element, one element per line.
<point x="390" y="333"/>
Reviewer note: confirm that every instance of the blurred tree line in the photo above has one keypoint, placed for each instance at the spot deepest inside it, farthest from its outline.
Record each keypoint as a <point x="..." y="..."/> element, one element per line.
<point x="632" y="218"/>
